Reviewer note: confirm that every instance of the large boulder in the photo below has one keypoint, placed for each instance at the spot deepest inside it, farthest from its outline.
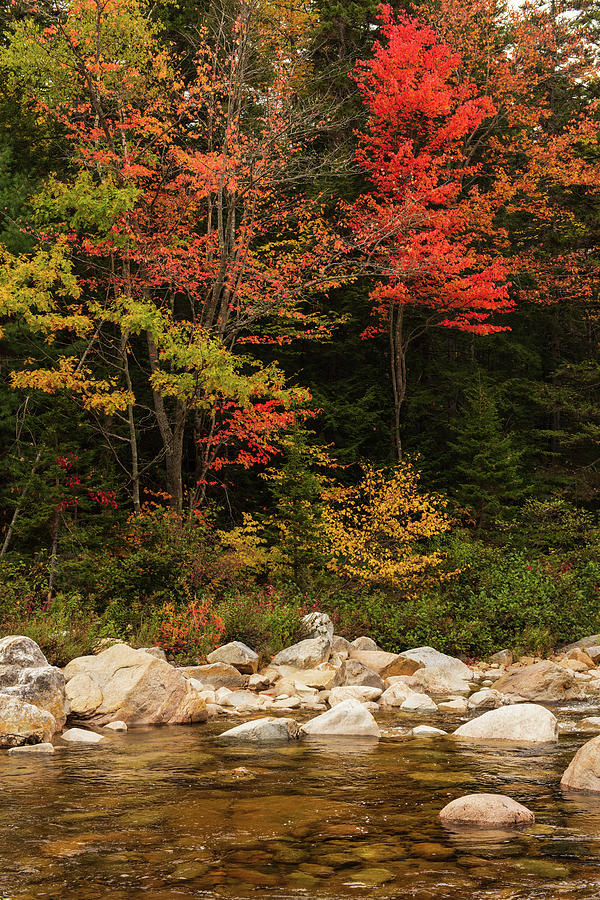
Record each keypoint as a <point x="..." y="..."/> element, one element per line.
<point x="386" y="664"/>
<point x="441" y="682"/>
<point x="433" y="658"/>
<point x="352" y="671"/>
<point x="487" y="698"/>
<point x="544" y="682"/>
<point x="305" y="654"/>
<point x="321" y="678"/>
<point x="317" y="625"/>
<point x="132" y="686"/>
<point x="360" y="692"/>
<point x="397" y="693"/>
<point x="262" y="731"/>
<point x="418" y="703"/>
<point x="486" y="811"/>
<point x="24" y="723"/>
<point x="216" y="675"/>
<point x="238" y="655"/>
<point x="524" y="723"/>
<point x="26" y="675"/>
<point x="583" y="772"/>
<point x="592" y="640"/>
<point x="347" y="719"/>
<point x="364" y="643"/>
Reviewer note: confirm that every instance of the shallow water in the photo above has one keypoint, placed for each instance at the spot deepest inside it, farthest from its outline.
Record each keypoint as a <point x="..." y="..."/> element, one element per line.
<point x="160" y="813"/>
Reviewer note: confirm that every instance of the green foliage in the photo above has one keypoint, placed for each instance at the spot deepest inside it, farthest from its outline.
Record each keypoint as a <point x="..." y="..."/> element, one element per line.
<point x="488" y="464"/>
<point x="263" y="619"/>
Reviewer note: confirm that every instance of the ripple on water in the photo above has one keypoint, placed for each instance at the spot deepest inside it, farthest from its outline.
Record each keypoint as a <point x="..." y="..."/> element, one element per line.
<point x="161" y="814"/>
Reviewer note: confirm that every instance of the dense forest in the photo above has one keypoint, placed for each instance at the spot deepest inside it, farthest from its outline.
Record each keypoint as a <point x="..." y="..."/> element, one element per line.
<point x="299" y="310"/>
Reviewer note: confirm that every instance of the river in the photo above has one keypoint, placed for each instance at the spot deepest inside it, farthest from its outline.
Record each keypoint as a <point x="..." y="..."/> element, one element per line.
<point x="162" y="813"/>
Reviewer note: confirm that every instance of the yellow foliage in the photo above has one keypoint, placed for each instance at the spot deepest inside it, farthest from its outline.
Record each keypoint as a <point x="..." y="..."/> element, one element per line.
<point x="376" y="529"/>
<point x="244" y="545"/>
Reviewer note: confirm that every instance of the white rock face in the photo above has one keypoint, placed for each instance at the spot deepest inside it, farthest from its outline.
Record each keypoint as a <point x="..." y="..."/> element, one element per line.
<point x="524" y="723"/>
<point x="441" y="682"/>
<point x="486" y="699"/>
<point x="418" y="703"/>
<point x="82" y="735"/>
<point x="589" y="723"/>
<point x="339" y="644"/>
<point x="26" y="675"/>
<point x="323" y="677"/>
<point x="544" y="681"/>
<point x="346" y="719"/>
<point x="31" y="748"/>
<point x="396" y="694"/>
<point x="24" y="723"/>
<point x="215" y="675"/>
<point x="457" y="707"/>
<point x="243" y="700"/>
<point x="364" y="643"/>
<point x="433" y="658"/>
<point x="260" y="682"/>
<point x="427" y="731"/>
<point x="352" y="671"/>
<point x="317" y="625"/>
<point x="262" y="731"/>
<point x="238" y="655"/>
<point x="116" y="726"/>
<point x="132" y="686"/>
<point x="360" y="692"/>
<point x="486" y="811"/>
<point x="583" y="772"/>
<point x="158" y="652"/>
<point x="305" y="654"/>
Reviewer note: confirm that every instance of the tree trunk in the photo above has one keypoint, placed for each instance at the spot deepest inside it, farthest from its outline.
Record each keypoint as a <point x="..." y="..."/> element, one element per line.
<point x="135" y="466"/>
<point x="172" y="436"/>
<point x="398" y="370"/>
<point x="15" y="516"/>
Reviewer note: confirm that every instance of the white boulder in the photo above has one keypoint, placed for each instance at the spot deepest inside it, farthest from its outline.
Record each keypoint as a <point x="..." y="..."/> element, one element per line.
<point x="132" y="686"/>
<point x="238" y="655"/>
<point x="262" y="731"/>
<point x="524" y="723"/>
<point x="486" y="811"/>
<point x="346" y="719"/>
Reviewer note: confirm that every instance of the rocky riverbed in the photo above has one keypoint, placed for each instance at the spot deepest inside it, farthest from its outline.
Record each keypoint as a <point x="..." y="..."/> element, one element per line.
<point x="321" y="773"/>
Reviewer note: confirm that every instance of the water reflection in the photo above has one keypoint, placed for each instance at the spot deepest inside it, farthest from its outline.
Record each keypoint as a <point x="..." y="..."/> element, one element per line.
<point x="170" y="813"/>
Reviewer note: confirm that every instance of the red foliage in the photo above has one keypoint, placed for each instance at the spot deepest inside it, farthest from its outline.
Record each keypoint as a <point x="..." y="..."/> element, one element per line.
<point x="415" y="225"/>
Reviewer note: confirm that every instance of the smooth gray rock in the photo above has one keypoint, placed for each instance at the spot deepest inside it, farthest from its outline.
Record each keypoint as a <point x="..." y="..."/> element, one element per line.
<point x="238" y="655"/>
<point x="305" y="654"/>
<point x="81" y="736"/>
<point x="347" y="719"/>
<point x="25" y="674"/>
<point x="430" y="657"/>
<point x="43" y="748"/>
<point x="523" y="723"/>
<point x="352" y="671"/>
<point x="364" y="643"/>
<point x="583" y="772"/>
<point x="262" y="731"/>
<point x="486" y="811"/>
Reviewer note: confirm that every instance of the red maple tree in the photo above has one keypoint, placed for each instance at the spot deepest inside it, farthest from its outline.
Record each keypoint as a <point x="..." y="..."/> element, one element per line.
<point x="416" y="225"/>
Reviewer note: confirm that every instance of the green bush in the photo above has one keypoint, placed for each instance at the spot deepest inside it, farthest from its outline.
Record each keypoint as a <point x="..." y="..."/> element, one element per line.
<point x="262" y="619"/>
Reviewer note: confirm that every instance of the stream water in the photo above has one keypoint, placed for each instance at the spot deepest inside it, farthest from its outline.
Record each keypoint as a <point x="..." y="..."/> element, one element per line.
<point x="161" y="813"/>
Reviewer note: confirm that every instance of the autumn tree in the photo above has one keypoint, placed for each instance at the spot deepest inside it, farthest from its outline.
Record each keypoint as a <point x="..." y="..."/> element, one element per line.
<point x="181" y="232"/>
<point x="376" y="531"/>
<point x="416" y="226"/>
